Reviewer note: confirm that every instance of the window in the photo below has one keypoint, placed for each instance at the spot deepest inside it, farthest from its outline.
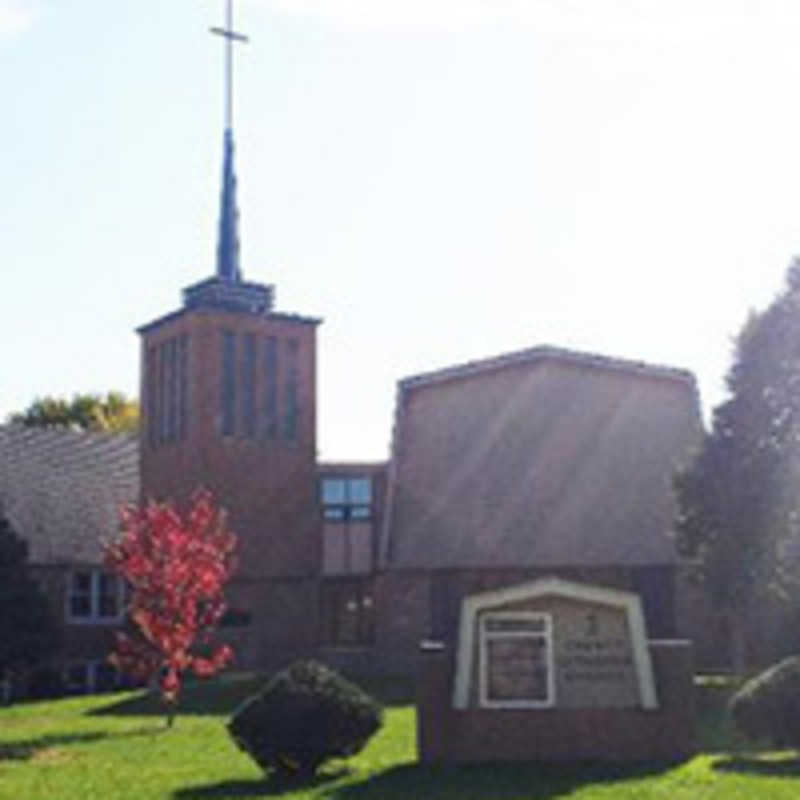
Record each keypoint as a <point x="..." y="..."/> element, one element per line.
<point x="94" y="597"/>
<point x="291" y="408"/>
<point x="249" y="385"/>
<point x="172" y="389"/>
<point x="183" y="385"/>
<point x="163" y="409"/>
<point x="348" y="612"/>
<point x="166" y="375"/>
<point x="228" y="388"/>
<point x="152" y="396"/>
<point x="346" y="498"/>
<point x="271" y="392"/>
<point x="516" y="660"/>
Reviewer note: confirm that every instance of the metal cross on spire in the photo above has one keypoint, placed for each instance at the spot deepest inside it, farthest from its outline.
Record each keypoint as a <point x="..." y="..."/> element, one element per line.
<point x="228" y="243"/>
<point x="230" y="37"/>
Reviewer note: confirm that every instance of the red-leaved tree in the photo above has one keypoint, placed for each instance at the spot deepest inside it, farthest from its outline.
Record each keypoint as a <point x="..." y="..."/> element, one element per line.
<point x="176" y="568"/>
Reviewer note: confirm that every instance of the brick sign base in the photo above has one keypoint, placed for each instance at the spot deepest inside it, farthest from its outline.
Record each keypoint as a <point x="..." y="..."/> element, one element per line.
<point x="446" y="734"/>
<point x="555" y="670"/>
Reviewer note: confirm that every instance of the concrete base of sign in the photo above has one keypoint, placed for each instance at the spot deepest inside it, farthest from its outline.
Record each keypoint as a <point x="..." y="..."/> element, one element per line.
<point x="475" y="734"/>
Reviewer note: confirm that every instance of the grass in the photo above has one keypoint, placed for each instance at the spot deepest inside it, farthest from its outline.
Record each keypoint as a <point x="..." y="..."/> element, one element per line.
<point x="115" y="746"/>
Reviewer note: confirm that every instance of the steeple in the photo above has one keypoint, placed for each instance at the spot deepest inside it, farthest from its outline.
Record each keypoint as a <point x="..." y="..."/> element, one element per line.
<point x="226" y="289"/>
<point x="228" y="242"/>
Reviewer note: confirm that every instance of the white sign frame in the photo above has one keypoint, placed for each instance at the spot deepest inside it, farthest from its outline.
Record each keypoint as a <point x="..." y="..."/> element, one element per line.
<point x="546" y="633"/>
<point x="628" y="602"/>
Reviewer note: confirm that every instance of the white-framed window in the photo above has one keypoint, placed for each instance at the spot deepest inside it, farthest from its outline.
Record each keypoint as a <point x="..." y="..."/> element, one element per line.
<point x="90" y="677"/>
<point x="516" y="659"/>
<point x="94" y="597"/>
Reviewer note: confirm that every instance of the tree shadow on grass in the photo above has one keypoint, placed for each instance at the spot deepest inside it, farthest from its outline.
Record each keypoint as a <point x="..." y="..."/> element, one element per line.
<point x="507" y="781"/>
<point x="467" y="782"/>
<point x="25" y="749"/>
<point x="221" y="696"/>
<point x="272" y="786"/>
<point x="788" y="767"/>
<point x="217" y="697"/>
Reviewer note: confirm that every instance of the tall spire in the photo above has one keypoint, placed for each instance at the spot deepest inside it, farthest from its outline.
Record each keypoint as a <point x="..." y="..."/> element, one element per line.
<point x="228" y="242"/>
<point x="228" y="268"/>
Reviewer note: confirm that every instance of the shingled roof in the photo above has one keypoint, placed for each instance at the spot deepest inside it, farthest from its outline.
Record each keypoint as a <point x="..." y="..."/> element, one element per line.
<point x="61" y="489"/>
<point x="545" y="457"/>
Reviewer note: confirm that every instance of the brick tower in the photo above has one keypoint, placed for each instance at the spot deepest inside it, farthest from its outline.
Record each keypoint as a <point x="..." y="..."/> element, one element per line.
<point x="228" y="403"/>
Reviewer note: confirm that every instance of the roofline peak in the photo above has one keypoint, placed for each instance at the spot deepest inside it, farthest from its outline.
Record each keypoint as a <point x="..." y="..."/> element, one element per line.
<point x="540" y="353"/>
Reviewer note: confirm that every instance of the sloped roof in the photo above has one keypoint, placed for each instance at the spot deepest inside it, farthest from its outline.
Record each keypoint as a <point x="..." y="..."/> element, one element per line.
<point x="61" y="489"/>
<point x="545" y="457"/>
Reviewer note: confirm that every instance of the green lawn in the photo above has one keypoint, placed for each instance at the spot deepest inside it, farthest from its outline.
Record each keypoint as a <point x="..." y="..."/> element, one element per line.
<point x="115" y="746"/>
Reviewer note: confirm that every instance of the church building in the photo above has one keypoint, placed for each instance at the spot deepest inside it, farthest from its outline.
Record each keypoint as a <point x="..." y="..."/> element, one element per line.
<point x="533" y="463"/>
<point x="542" y="462"/>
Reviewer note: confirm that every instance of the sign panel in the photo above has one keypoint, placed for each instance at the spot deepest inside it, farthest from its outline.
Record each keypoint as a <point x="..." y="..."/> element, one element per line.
<point x="553" y="644"/>
<point x="593" y="656"/>
<point x="516" y="660"/>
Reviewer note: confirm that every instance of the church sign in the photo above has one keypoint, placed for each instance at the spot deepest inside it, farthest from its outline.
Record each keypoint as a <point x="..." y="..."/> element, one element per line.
<point x="553" y="644"/>
<point x="554" y="670"/>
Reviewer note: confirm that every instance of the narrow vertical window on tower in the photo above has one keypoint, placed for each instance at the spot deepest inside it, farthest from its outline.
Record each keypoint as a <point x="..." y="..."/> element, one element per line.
<point x="291" y="409"/>
<point x="172" y="389"/>
<point x="249" y="385"/>
<point x="162" y="392"/>
<point x="228" y="387"/>
<point x="151" y="378"/>
<point x="183" y="385"/>
<point x="271" y="387"/>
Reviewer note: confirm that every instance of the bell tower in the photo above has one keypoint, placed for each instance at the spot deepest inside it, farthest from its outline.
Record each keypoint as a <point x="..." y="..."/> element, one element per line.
<point x="228" y="393"/>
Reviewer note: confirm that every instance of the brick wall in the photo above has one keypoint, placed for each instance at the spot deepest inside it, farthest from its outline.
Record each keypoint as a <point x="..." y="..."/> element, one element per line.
<point x="266" y="482"/>
<point x="478" y="734"/>
<point x="79" y="642"/>
<point x="282" y="621"/>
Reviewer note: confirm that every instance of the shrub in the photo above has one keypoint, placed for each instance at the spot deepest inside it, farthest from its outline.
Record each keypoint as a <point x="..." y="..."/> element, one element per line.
<point x="303" y="716"/>
<point x="768" y="706"/>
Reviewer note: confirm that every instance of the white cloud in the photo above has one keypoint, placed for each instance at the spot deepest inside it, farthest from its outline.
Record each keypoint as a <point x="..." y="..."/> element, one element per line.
<point x="17" y="16"/>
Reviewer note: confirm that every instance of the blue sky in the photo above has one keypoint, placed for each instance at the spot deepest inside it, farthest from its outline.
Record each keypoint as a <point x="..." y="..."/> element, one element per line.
<point x="439" y="180"/>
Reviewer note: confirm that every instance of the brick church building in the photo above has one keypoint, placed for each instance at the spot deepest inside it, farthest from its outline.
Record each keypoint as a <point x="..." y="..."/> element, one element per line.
<point x="544" y="461"/>
<point x="539" y="462"/>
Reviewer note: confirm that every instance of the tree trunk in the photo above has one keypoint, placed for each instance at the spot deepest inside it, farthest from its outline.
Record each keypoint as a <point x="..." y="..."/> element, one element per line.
<point x="737" y="633"/>
<point x="171" y="709"/>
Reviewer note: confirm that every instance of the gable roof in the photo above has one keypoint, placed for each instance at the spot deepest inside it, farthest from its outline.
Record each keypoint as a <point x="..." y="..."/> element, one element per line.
<point x="61" y="489"/>
<point x="544" y="457"/>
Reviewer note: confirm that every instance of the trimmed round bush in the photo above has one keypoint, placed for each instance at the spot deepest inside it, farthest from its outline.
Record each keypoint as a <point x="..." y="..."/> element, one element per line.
<point x="768" y="706"/>
<point x="304" y="715"/>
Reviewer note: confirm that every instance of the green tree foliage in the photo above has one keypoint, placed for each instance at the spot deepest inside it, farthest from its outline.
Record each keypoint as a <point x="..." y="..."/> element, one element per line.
<point x="28" y="634"/>
<point x="737" y="500"/>
<point x="113" y="412"/>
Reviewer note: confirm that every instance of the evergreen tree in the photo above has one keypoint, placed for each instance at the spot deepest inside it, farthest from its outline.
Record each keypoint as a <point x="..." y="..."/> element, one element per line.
<point x="28" y="633"/>
<point x="738" y="503"/>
